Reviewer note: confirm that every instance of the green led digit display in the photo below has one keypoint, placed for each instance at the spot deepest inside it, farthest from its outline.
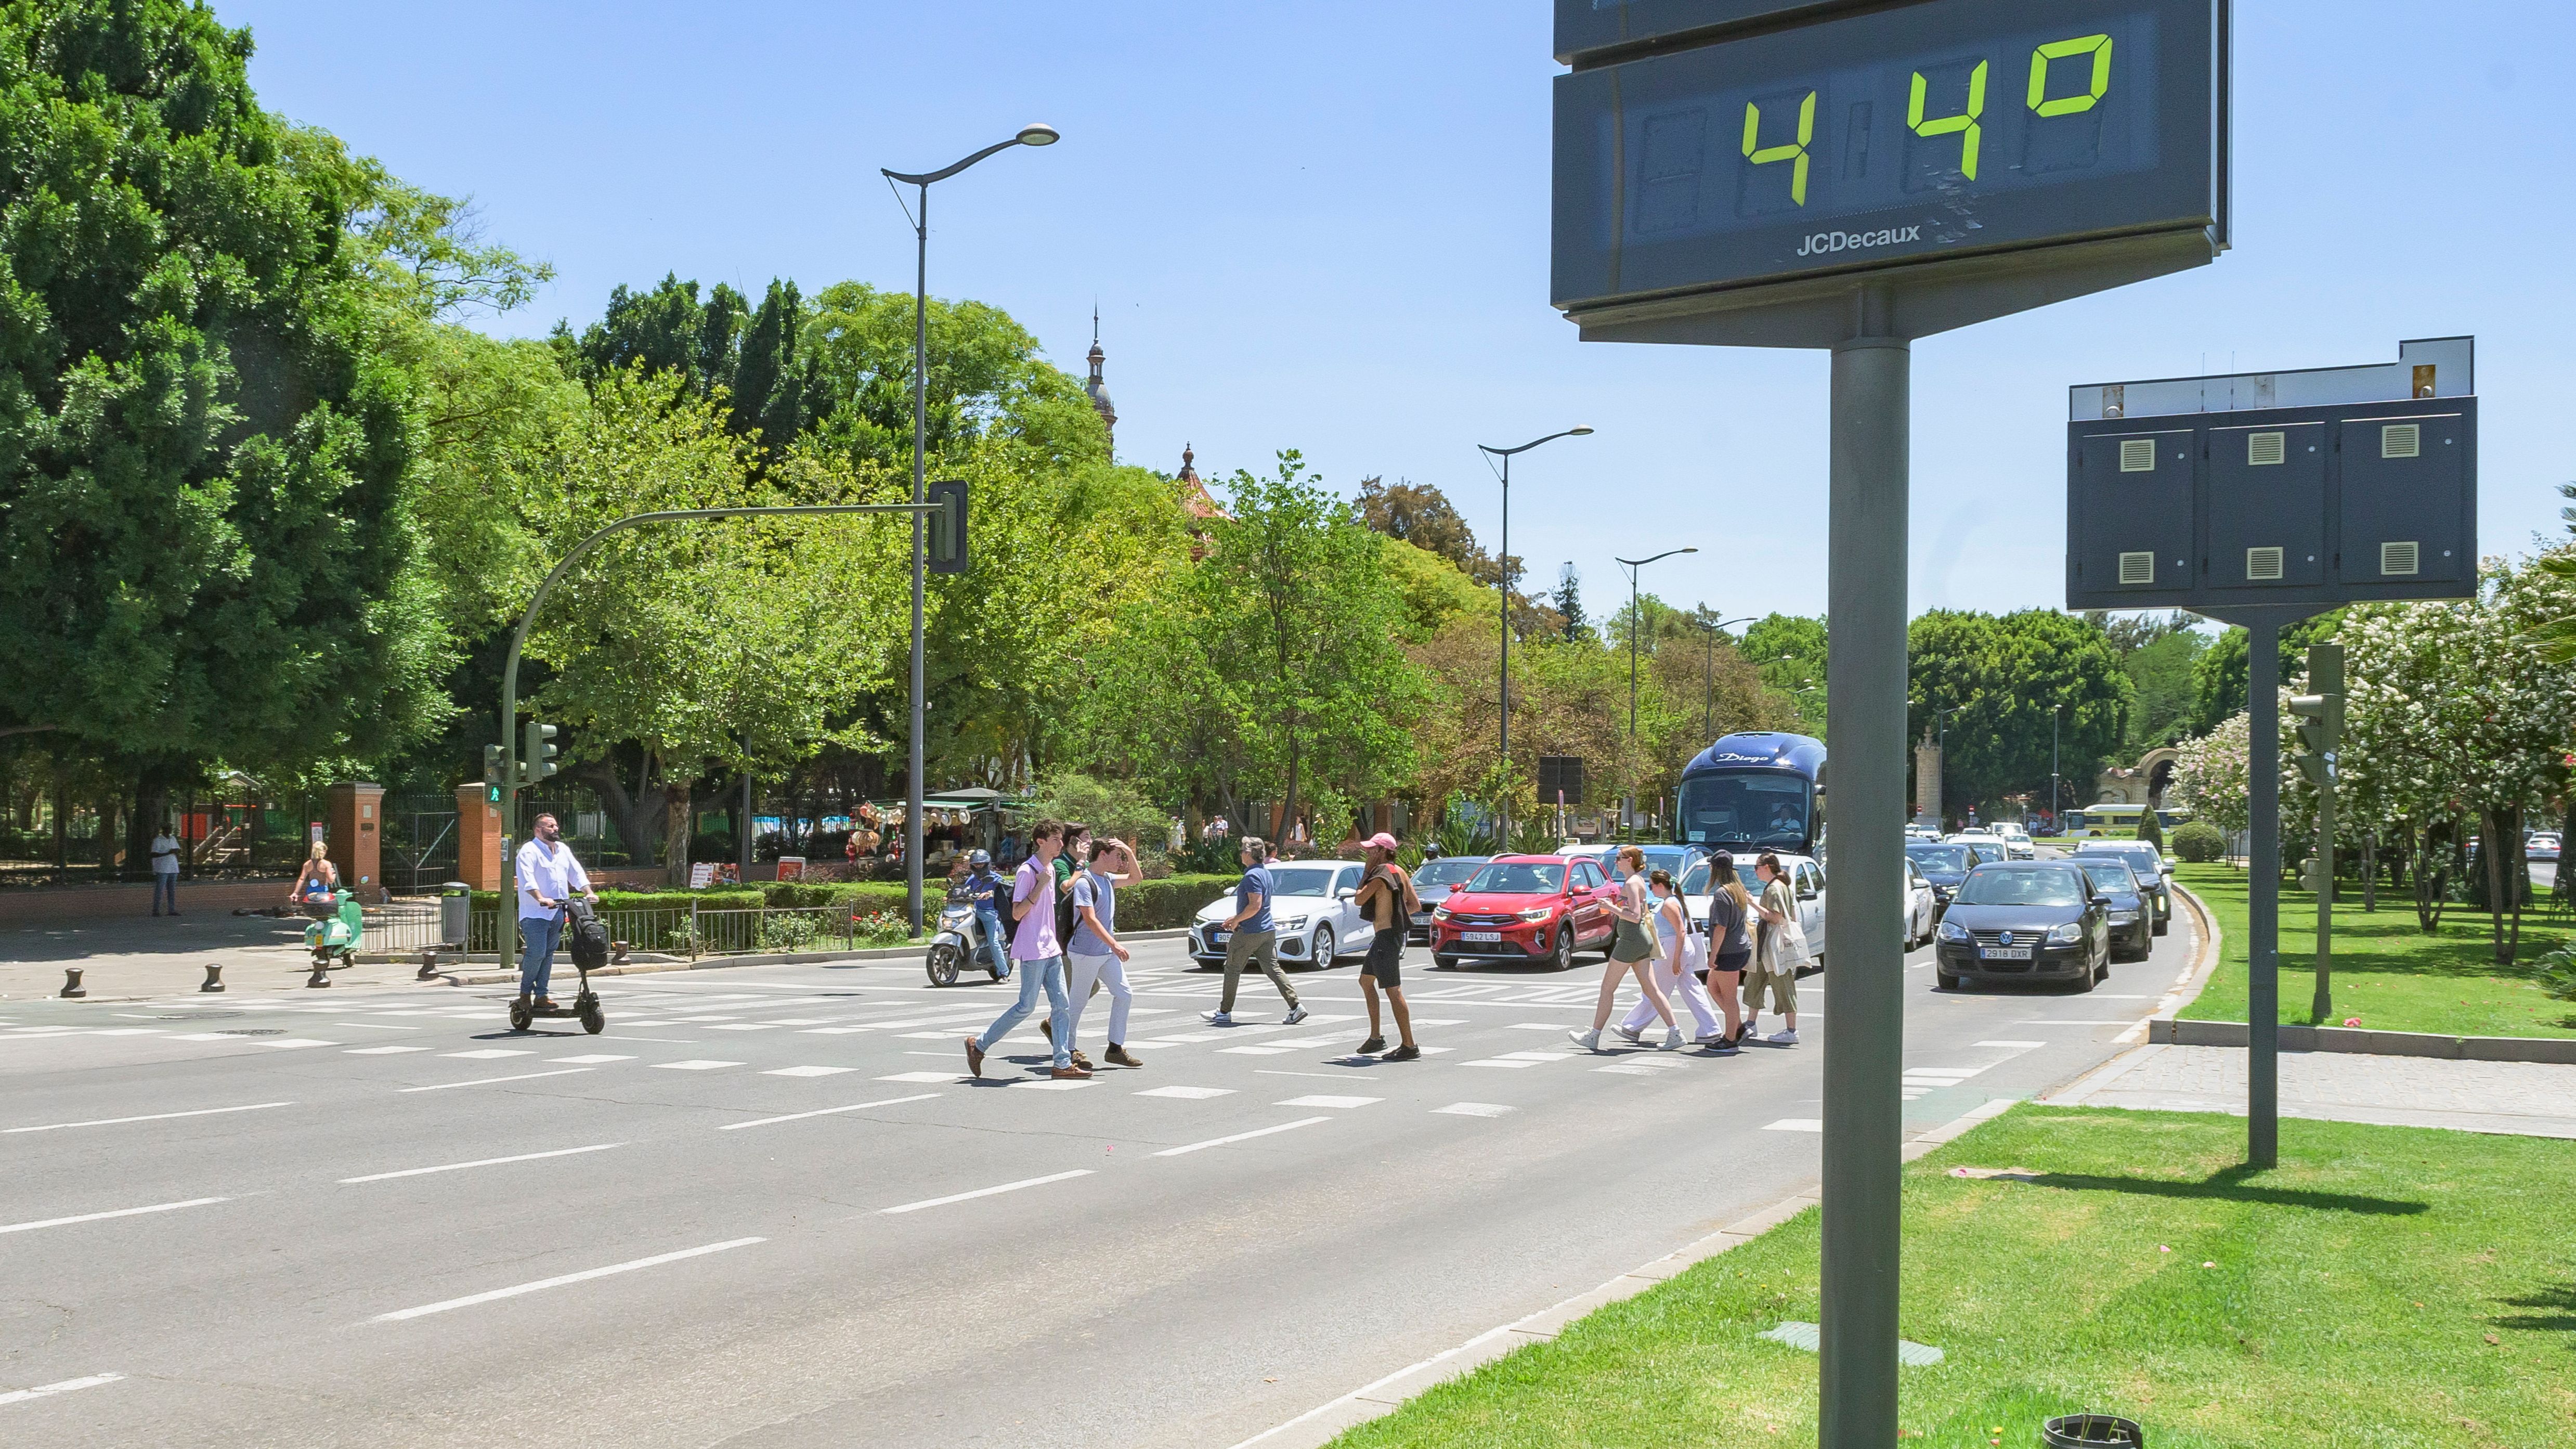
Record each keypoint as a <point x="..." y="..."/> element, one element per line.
<point x="1795" y="151"/>
<point x="2096" y="46"/>
<point x="1963" y="125"/>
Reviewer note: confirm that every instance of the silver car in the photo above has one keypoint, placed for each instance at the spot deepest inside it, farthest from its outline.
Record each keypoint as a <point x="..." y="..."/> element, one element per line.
<point x="1312" y="912"/>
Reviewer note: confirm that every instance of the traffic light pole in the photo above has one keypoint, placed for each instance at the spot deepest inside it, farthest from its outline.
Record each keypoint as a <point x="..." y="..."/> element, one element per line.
<point x="511" y="784"/>
<point x="2321" y="733"/>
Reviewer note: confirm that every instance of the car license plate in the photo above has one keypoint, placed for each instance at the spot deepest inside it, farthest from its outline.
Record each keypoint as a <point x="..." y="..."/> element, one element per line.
<point x="1216" y="938"/>
<point x="1483" y="935"/>
<point x="2004" y="953"/>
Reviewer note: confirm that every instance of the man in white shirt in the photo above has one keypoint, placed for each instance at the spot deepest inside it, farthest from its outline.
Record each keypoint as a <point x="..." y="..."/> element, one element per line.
<point x="165" y="871"/>
<point x="547" y="876"/>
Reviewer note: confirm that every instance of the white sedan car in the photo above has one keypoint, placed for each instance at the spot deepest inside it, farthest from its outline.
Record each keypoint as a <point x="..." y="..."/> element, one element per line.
<point x="2017" y="841"/>
<point x="1312" y="912"/>
<point x="1922" y="908"/>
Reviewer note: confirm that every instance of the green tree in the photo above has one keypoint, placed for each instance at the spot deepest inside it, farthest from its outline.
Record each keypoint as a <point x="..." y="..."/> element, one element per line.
<point x="1789" y="652"/>
<point x="2220" y="675"/>
<point x="2026" y="689"/>
<point x="987" y="382"/>
<point x="205" y="550"/>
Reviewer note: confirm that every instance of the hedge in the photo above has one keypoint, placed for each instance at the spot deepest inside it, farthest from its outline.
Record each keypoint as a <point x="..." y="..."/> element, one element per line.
<point x="2199" y="842"/>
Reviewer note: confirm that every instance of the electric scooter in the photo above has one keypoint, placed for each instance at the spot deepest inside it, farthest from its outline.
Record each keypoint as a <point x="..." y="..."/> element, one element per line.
<point x="586" y="941"/>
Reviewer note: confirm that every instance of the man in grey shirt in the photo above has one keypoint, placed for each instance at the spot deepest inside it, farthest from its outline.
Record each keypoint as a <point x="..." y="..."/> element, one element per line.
<point x="1095" y="953"/>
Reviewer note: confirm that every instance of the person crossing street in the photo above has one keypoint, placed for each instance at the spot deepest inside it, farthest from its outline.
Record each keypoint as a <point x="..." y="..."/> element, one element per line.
<point x="1251" y="936"/>
<point x="547" y="877"/>
<point x="1386" y="898"/>
<point x="1095" y="956"/>
<point x="1040" y="956"/>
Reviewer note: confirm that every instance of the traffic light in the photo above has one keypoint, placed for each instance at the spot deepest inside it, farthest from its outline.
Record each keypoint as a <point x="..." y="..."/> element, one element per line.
<point x="492" y="780"/>
<point x="947" y="551"/>
<point x="2320" y="715"/>
<point x="537" y="755"/>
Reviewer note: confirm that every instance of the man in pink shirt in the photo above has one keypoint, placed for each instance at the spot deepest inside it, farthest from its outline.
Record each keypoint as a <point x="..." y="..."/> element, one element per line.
<point x="1039" y="955"/>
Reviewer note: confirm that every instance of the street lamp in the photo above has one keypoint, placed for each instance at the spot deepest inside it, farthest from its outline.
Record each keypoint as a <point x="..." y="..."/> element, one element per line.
<point x="1504" y="565"/>
<point x="1635" y="622"/>
<point x="1708" y="669"/>
<point x="1031" y="135"/>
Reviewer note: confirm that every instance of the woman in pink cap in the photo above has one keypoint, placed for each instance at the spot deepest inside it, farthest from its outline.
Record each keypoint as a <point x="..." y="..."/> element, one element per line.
<point x="1386" y="898"/>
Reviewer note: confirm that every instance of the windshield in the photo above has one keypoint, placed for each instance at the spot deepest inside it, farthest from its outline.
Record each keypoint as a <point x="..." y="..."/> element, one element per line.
<point x="1939" y="857"/>
<point x="1305" y="880"/>
<point x="1518" y="879"/>
<point x="2141" y="858"/>
<point x="2111" y="875"/>
<point x="1766" y="807"/>
<point x="1446" y="872"/>
<point x="2021" y="888"/>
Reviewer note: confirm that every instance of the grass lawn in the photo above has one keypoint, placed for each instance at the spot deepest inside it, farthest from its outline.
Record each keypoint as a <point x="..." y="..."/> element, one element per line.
<point x="2390" y="1287"/>
<point x="2386" y="971"/>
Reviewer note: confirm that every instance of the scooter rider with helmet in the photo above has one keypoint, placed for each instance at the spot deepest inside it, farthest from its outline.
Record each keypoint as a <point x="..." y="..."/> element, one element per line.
<point x="983" y="888"/>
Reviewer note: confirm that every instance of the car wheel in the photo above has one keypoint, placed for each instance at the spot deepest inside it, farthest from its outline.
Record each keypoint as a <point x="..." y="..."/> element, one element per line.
<point x="1321" y="954"/>
<point x="1563" y="957"/>
<point x="2162" y="922"/>
<point x="1444" y="963"/>
<point x="1943" y="980"/>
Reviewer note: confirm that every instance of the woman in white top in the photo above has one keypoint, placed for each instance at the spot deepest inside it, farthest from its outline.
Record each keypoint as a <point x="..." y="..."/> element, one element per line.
<point x="1677" y="969"/>
<point x="319" y="882"/>
<point x="1635" y="949"/>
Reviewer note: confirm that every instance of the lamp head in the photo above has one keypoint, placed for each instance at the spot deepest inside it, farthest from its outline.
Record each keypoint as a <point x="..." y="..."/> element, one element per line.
<point x="1691" y="550"/>
<point x="1038" y="135"/>
<point x="1579" y="430"/>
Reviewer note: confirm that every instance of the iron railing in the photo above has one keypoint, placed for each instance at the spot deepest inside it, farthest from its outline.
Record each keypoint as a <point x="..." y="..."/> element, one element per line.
<point x="673" y="930"/>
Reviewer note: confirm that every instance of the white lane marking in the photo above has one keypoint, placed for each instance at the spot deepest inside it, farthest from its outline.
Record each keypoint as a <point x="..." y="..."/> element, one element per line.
<point x="1187" y="1094"/>
<point x="923" y="1077"/>
<point x="1353" y="1075"/>
<point x="294" y="1041"/>
<point x="373" y="1026"/>
<point x="2026" y="1046"/>
<point x="544" y="1283"/>
<point x="1499" y="1062"/>
<point x="1242" y="1136"/>
<point x="1040" y="1084"/>
<point x="486" y="1054"/>
<point x="807" y="1071"/>
<point x="745" y="1026"/>
<point x="696" y="1065"/>
<point x="67" y="1386"/>
<point x="132" y="1030"/>
<point x="148" y="1117"/>
<point x="914" y="1207"/>
<point x="826" y="1112"/>
<point x="1474" y="1109"/>
<point x="160" y="1207"/>
<point x="1795" y="1124"/>
<point x="488" y="1081"/>
<point x="591" y="1060"/>
<point x="481" y="1162"/>
<point x="1330" y="1101"/>
<point x="1633" y="1069"/>
<point x="386" y="1051"/>
<point x="1536" y="1026"/>
<point x="1257" y="1051"/>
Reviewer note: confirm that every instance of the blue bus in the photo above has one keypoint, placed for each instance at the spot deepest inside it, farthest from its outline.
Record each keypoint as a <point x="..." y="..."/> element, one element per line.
<point x="1754" y="792"/>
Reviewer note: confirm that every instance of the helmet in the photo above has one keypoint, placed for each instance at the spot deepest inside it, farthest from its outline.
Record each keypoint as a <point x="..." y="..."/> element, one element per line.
<point x="1431" y="852"/>
<point x="979" y="858"/>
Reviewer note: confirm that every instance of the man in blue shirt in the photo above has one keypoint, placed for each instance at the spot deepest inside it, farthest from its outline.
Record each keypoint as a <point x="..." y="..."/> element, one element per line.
<point x="1250" y="936"/>
<point x="984" y="889"/>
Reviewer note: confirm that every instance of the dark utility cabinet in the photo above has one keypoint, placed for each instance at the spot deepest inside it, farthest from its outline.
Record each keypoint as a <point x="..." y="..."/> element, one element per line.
<point x="2308" y="505"/>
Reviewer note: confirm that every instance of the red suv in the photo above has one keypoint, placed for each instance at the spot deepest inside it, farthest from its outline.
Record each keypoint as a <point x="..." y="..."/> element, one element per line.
<point x="1525" y="908"/>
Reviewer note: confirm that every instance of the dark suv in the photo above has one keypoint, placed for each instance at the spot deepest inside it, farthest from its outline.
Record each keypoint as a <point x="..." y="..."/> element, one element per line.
<point x="2023" y="921"/>
<point x="2149" y="865"/>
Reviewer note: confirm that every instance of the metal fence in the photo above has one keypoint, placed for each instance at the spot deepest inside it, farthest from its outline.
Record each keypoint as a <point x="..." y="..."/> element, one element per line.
<point x="673" y="930"/>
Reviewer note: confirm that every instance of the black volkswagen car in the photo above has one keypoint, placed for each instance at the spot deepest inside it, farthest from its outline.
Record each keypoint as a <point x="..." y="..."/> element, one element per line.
<point x="2025" y="921"/>
<point x="1433" y="881"/>
<point x="2132" y="914"/>
<point x="1942" y="864"/>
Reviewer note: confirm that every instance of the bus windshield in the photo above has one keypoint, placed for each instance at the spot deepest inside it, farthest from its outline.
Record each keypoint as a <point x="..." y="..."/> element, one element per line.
<point x="1749" y="807"/>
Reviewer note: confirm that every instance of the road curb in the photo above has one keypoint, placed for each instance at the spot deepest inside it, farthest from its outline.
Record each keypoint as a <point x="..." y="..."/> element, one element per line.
<point x="502" y="977"/>
<point x="2186" y="990"/>
<point x="1320" y="1425"/>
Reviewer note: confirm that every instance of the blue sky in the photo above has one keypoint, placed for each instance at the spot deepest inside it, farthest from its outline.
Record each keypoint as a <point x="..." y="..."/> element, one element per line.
<point x="1324" y="226"/>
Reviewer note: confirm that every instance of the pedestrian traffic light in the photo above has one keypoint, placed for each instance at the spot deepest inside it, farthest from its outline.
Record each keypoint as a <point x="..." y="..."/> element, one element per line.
<point x="492" y="780"/>
<point x="537" y="757"/>
<point x="947" y="553"/>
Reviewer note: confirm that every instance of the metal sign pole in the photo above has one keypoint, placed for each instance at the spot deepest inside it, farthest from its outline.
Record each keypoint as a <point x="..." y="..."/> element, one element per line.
<point x="1864" y="1036"/>
<point x="2263" y="892"/>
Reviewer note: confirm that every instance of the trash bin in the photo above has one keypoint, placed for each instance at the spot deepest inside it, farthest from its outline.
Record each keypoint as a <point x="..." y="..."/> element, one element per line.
<point x="455" y="913"/>
<point x="2092" y="1431"/>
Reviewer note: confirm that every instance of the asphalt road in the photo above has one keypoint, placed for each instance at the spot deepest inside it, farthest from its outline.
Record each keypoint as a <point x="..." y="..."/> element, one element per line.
<point x="766" y="1208"/>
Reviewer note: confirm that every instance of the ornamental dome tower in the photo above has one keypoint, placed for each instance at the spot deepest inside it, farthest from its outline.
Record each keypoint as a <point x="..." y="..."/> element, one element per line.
<point x="1098" y="392"/>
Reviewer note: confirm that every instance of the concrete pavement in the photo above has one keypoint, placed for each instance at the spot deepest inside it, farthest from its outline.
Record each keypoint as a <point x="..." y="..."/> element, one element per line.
<point x="766" y="1208"/>
<point x="2526" y="1098"/>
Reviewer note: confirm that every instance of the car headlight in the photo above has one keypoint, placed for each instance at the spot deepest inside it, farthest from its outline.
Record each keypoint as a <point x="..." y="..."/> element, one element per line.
<point x="1292" y="923"/>
<point x="1539" y="913"/>
<point x="2066" y="935"/>
<point x="2124" y="918"/>
<point x="1439" y="913"/>
<point x="1953" y="931"/>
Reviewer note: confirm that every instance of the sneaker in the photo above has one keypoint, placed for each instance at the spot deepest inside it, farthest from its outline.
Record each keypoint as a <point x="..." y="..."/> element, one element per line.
<point x="1721" y="1047"/>
<point x="1785" y="1036"/>
<point x="1635" y="1036"/>
<point x="1070" y="1074"/>
<point x="1713" y="1039"/>
<point x="1295" y="1015"/>
<point x="974" y="1058"/>
<point x="1079" y="1059"/>
<point x="1372" y="1046"/>
<point x="1220" y="1018"/>
<point x="1672" y="1040"/>
<point x="1405" y="1053"/>
<point x="1118" y="1056"/>
<point x="1588" y="1040"/>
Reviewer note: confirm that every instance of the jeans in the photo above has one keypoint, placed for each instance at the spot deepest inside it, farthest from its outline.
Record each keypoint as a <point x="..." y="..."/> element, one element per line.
<point x="165" y="887"/>
<point x="1094" y="971"/>
<point x="989" y="921"/>
<point x="1048" y="973"/>
<point x="537" y="960"/>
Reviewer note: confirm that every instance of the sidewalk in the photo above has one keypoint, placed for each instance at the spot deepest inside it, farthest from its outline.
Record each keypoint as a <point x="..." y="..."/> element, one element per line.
<point x="123" y="957"/>
<point x="2531" y="1099"/>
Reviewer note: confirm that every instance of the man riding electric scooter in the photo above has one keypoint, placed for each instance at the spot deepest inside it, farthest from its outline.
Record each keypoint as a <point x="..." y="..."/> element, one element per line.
<point x="548" y="876"/>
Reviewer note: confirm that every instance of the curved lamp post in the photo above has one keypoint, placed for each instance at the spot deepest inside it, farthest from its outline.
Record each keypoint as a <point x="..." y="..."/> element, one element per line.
<point x="1032" y="135"/>
<point x="1503" y="563"/>
<point x="1636" y="622"/>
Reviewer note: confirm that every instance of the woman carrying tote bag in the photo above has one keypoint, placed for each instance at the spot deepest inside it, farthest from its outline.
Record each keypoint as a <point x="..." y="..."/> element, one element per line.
<point x="1634" y="950"/>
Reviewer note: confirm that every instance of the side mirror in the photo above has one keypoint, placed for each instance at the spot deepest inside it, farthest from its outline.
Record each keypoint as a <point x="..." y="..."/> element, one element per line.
<point x="1807" y="894"/>
<point x="1345" y="893"/>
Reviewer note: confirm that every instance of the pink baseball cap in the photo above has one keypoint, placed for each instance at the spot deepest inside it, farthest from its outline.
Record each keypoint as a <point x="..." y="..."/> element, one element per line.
<point x="1379" y="841"/>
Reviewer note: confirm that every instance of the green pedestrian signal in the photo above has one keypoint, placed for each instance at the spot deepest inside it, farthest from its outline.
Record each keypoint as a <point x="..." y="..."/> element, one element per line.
<point x="537" y="753"/>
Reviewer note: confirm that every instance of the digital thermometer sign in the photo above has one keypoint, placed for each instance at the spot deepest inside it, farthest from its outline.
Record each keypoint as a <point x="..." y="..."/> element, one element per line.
<point x="1883" y="140"/>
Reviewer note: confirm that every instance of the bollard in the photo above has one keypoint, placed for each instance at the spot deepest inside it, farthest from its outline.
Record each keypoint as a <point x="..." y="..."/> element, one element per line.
<point x="321" y="975"/>
<point x="71" y="982"/>
<point x="616" y="953"/>
<point x="214" y="977"/>
<point x="428" y="965"/>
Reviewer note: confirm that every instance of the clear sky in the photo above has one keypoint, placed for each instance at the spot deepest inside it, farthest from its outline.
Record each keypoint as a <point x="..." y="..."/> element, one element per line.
<point x="1324" y="226"/>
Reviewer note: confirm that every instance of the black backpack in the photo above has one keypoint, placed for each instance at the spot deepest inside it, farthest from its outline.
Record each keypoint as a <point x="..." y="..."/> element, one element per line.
<point x="585" y="935"/>
<point x="1066" y="917"/>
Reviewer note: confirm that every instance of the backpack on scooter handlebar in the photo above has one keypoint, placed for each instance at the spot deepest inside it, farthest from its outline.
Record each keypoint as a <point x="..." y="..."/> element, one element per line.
<point x="585" y="935"/>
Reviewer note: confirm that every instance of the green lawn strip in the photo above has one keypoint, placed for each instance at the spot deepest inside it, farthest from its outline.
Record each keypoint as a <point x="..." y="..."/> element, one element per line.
<point x="2387" y="972"/>
<point x="2389" y="1287"/>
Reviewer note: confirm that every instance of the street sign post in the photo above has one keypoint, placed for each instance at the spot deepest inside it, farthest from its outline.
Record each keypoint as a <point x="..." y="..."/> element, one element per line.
<point x="1851" y="175"/>
<point x="2259" y="499"/>
<point x="2320" y="740"/>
